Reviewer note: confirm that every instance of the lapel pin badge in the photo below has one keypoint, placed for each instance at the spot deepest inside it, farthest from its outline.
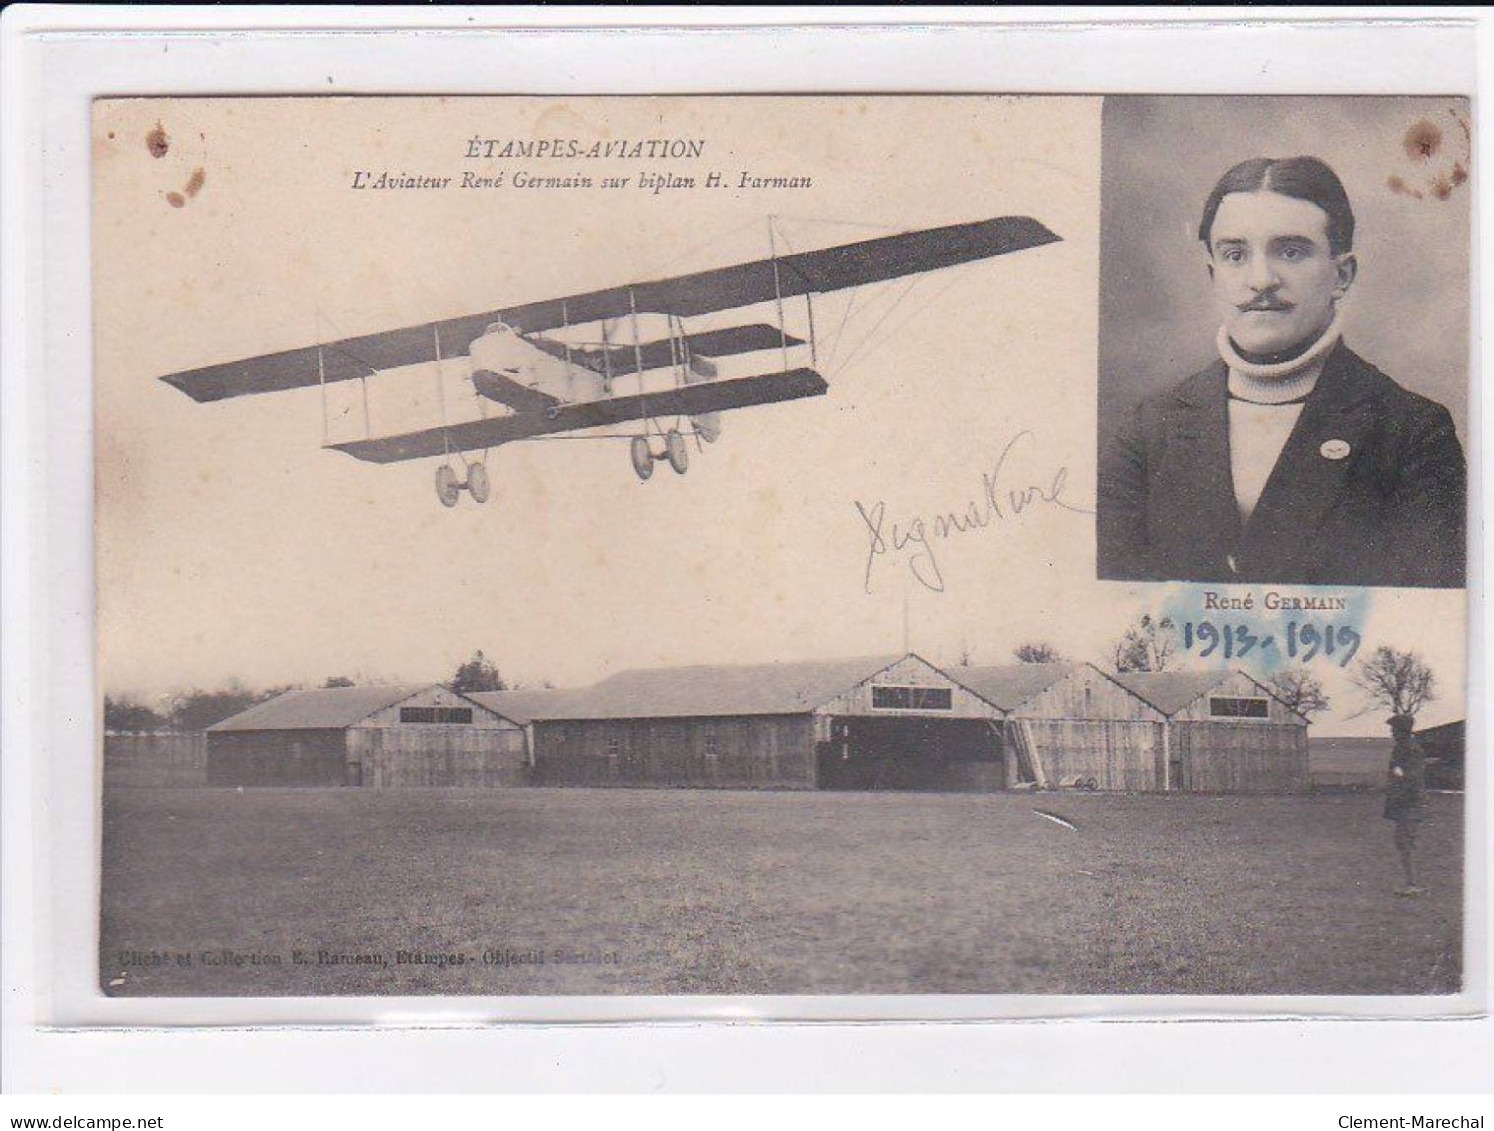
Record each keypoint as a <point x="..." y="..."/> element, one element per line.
<point x="1334" y="449"/>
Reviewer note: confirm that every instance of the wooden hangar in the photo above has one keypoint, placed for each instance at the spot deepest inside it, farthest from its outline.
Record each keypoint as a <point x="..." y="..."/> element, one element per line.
<point x="885" y="722"/>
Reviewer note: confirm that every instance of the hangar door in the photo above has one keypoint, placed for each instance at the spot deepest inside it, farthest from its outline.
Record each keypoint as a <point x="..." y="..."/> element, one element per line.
<point x="911" y="752"/>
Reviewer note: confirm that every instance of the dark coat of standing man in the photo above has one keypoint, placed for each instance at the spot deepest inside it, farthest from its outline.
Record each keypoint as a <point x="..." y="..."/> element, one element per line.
<point x="1405" y="791"/>
<point x="1291" y="459"/>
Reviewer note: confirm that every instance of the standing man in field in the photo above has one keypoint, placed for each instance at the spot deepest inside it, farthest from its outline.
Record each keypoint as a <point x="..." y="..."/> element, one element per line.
<point x="1290" y="459"/>
<point x="1405" y="791"/>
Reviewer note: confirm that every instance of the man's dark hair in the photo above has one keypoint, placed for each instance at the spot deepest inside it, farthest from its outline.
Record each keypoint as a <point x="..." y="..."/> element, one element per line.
<point x="1305" y="178"/>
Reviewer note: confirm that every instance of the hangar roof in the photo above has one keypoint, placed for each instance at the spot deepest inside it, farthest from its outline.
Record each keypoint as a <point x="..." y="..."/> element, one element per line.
<point x="1170" y="692"/>
<point x="1008" y="686"/>
<point x="703" y="690"/>
<point x="522" y="707"/>
<point x="1451" y="731"/>
<point x="326" y="708"/>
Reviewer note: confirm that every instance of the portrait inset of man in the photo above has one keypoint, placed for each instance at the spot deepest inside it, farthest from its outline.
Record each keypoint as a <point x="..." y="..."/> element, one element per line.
<point x="1290" y="459"/>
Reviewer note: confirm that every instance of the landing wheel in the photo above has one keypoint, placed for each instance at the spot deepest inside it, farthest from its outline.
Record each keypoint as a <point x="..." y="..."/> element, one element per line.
<point x="446" y="486"/>
<point x="643" y="458"/>
<point x="478" y="484"/>
<point x="679" y="455"/>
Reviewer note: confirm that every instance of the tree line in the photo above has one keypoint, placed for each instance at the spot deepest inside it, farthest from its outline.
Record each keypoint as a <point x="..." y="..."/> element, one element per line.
<point x="1390" y="679"/>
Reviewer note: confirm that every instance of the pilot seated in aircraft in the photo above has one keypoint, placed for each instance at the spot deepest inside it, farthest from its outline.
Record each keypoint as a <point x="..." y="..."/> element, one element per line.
<point x="1290" y="459"/>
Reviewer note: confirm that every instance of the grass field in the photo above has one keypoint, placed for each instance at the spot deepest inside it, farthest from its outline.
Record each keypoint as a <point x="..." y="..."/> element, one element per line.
<point x="685" y="891"/>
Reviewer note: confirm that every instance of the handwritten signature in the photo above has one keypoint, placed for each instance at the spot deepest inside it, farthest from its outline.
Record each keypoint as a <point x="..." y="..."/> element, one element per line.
<point x="998" y="502"/>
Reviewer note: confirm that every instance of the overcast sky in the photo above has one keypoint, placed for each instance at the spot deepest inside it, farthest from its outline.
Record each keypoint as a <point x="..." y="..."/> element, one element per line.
<point x="231" y="545"/>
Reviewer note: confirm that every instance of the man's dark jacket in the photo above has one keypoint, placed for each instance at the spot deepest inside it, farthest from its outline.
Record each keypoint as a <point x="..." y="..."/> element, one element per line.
<point x="1391" y="512"/>
<point x="1405" y="791"/>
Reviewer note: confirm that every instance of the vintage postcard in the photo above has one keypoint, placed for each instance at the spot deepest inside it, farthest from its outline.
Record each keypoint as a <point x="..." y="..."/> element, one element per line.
<point x="912" y="545"/>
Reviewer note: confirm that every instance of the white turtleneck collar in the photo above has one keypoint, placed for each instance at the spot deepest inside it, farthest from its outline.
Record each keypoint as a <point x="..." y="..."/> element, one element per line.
<point x="1279" y="382"/>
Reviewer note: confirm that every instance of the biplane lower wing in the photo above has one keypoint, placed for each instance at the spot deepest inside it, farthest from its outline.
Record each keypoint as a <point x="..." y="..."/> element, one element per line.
<point x="686" y="400"/>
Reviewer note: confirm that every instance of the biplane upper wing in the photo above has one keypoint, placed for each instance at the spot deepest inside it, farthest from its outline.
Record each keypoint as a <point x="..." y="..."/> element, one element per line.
<point x="344" y="360"/>
<point x="686" y="400"/>
<point x="722" y="288"/>
<point x="805" y="272"/>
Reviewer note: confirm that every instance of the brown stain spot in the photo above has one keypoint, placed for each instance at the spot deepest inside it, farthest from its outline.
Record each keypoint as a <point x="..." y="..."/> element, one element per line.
<point x="1442" y="188"/>
<point x="157" y="142"/>
<point x="111" y="135"/>
<point x="1401" y="188"/>
<point x="1464" y="127"/>
<point x="1459" y="174"/>
<point x="196" y="181"/>
<point x="1422" y="141"/>
<point x="175" y="199"/>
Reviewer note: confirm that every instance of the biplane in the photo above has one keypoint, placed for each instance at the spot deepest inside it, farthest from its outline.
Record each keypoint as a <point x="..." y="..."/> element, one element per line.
<point x="528" y="360"/>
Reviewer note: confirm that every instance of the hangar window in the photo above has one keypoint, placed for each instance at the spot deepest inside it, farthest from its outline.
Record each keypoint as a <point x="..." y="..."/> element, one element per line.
<point x="712" y="746"/>
<point x="1238" y="707"/>
<point x="435" y="714"/>
<point x="912" y="699"/>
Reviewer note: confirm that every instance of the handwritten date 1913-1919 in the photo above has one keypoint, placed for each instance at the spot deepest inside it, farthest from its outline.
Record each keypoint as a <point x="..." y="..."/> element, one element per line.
<point x="1297" y="641"/>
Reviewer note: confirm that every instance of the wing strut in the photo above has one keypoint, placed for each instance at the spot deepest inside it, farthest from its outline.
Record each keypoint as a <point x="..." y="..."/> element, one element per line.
<point x="637" y="354"/>
<point x="606" y="360"/>
<point x="777" y="291"/>
<point x="814" y="361"/>
<point x="321" y="379"/>
<point x="441" y="396"/>
<point x="565" y="320"/>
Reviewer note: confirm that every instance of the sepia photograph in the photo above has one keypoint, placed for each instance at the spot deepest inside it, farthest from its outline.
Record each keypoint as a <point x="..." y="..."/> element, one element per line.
<point x="1318" y="249"/>
<point x="772" y="545"/>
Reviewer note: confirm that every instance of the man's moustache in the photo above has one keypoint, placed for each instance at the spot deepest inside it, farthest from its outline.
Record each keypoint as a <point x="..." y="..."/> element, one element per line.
<point x="1264" y="304"/>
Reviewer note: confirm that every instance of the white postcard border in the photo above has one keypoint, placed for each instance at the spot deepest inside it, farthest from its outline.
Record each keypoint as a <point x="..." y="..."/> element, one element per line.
<point x="49" y="792"/>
